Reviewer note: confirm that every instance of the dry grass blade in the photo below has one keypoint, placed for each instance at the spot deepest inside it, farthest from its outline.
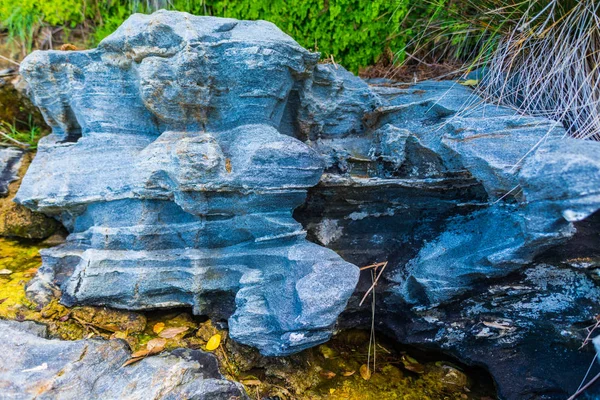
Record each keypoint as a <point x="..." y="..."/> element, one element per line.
<point x="15" y="141"/>
<point x="548" y="66"/>
<point x="383" y="265"/>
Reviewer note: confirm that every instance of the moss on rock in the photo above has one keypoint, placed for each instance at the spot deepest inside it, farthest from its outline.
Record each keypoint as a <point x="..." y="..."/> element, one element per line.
<point x="19" y="221"/>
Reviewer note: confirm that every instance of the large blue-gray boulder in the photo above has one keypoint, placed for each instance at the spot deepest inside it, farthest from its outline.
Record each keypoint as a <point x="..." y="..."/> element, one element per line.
<point x="166" y="165"/>
<point x="33" y="367"/>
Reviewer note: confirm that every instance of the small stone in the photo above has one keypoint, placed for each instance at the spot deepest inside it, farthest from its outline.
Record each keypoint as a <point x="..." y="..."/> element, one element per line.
<point x="453" y="379"/>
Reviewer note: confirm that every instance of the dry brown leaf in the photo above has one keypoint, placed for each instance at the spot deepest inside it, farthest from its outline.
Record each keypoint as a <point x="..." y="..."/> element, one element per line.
<point x="170" y="333"/>
<point x="140" y="353"/>
<point x="132" y="361"/>
<point x="156" y="345"/>
<point x="365" y="372"/>
<point x="251" y="382"/>
<point x="327" y="374"/>
<point x="496" y="325"/>
<point x="158" y="328"/>
<point x="349" y="373"/>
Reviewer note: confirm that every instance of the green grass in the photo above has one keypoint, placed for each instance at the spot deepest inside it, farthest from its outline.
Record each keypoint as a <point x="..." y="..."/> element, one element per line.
<point x="20" y="138"/>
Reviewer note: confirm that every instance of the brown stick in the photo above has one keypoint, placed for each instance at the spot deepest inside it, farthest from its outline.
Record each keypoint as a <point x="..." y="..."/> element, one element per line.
<point x="373" y="266"/>
<point x="374" y="283"/>
<point x="583" y="389"/>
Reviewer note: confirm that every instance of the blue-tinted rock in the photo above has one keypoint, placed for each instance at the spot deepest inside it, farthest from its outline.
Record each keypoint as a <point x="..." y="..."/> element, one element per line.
<point x="37" y="368"/>
<point x="460" y="197"/>
<point x="167" y="168"/>
<point x="10" y="160"/>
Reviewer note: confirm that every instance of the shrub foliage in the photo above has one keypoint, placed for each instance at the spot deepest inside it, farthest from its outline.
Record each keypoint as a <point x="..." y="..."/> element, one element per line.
<point x="355" y="32"/>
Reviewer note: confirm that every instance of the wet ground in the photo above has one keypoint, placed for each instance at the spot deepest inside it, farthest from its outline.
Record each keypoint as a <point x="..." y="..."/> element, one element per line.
<point x="347" y="367"/>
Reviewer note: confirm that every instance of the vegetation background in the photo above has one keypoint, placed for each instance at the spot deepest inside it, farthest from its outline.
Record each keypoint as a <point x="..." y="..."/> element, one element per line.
<point x="540" y="56"/>
<point x="354" y="33"/>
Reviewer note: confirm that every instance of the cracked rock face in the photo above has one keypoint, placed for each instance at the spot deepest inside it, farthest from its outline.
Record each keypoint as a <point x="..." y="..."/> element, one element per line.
<point x="33" y="367"/>
<point x="167" y="167"/>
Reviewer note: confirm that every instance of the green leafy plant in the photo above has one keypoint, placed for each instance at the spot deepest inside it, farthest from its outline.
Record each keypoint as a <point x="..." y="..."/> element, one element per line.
<point x="353" y="33"/>
<point x="23" y="18"/>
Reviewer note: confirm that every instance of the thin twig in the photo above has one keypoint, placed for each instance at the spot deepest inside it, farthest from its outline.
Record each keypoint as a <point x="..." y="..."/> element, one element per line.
<point x="6" y="136"/>
<point x="587" y="386"/>
<point x="373" y="266"/>
<point x="373" y="285"/>
<point x="9" y="60"/>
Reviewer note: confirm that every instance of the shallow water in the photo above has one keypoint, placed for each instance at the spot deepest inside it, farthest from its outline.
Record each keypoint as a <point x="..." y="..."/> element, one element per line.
<point x="335" y="370"/>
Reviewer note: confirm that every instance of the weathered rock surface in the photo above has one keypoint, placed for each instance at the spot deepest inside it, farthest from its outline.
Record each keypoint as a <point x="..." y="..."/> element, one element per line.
<point x="182" y="145"/>
<point x="463" y="200"/>
<point x="10" y="161"/>
<point x="32" y="366"/>
<point x="166" y="165"/>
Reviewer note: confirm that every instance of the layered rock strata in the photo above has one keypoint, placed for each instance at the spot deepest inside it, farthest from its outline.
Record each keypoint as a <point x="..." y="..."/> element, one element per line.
<point x="166" y="165"/>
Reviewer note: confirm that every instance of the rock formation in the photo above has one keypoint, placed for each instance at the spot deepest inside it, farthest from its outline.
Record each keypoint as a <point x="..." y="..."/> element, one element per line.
<point x="486" y="219"/>
<point x="33" y="367"/>
<point x="182" y="145"/>
<point x="166" y="166"/>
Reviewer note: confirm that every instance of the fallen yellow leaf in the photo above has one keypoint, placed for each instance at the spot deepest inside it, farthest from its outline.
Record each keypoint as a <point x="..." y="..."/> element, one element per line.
<point x="120" y="335"/>
<point x="470" y="82"/>
<point x="157" y="328"/>
<point x="365" y="372"/>
<point x="214" y="342"/>
<point x="252" y="382"/>
<point x="348" y="373"/>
